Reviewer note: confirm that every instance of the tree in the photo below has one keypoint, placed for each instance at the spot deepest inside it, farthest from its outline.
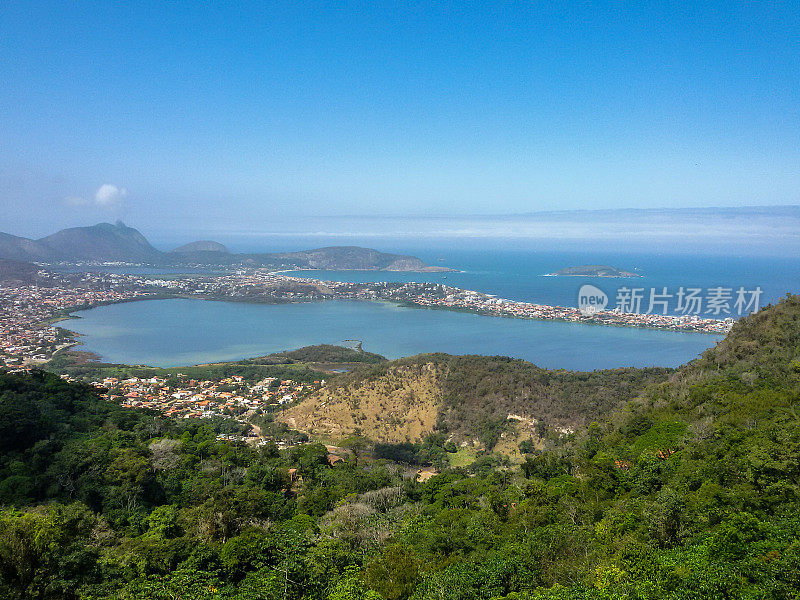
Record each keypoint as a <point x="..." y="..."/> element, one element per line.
<point x="350" y="587"/>
<point x="394" y="574"/>
<point x="357" y="444"/>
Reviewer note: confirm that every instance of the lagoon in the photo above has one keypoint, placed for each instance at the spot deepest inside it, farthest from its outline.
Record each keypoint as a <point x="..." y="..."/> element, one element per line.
<point x="178" y="332"/>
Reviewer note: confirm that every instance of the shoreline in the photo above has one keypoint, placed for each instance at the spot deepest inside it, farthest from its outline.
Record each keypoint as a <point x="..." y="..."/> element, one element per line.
<point x="410" y="304"/>
<point x="432" y="269"/>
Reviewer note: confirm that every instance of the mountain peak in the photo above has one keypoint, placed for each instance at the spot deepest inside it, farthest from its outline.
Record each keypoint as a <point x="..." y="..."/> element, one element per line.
<point x="102" y="241"/>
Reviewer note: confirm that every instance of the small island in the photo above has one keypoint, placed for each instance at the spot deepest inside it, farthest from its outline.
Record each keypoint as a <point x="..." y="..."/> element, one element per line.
<point x="593" y="271"/>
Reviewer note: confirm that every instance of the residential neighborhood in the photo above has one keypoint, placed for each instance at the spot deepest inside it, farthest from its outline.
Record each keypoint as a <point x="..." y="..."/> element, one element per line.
<point x="179" y="396"/>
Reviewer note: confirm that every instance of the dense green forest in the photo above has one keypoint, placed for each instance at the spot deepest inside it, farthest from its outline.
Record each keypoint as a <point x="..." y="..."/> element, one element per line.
<point x="690" y="490"/>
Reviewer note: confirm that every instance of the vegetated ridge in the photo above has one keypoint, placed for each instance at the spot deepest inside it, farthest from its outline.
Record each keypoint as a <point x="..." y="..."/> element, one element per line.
<point x="18" y="272"/>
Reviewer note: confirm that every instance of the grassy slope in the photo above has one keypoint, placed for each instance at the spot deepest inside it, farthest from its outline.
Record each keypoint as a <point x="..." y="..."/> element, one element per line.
<point x="395" y="404"/>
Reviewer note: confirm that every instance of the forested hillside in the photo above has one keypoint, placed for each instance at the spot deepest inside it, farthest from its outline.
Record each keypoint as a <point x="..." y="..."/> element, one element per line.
<point x="690" y="489"/>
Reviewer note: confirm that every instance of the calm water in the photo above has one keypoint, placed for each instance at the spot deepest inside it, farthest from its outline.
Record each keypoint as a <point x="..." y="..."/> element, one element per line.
<point x="182" y="332"/>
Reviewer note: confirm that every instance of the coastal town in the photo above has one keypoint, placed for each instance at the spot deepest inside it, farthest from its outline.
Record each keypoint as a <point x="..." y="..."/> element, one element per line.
<point x="488" y="305"/>
<point x="184" y="397"/>
<point x="29" y="312"/>
<point x="445" y="297"/>
<point x="232" y="399"/>
<point x="229" y="398"/>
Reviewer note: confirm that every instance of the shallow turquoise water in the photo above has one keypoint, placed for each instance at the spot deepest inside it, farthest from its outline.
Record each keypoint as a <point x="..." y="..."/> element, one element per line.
<point x="182" y="332"/>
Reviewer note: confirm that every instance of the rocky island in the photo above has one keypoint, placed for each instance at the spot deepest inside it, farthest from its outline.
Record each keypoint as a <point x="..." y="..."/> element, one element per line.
<point x="593" y="271"/>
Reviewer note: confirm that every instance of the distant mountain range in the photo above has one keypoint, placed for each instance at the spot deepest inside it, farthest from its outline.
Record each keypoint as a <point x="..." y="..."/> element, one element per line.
<point x="105" y="242"/>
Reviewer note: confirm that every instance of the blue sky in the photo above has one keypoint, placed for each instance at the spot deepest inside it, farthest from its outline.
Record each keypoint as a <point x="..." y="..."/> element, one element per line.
<point x="203" y="115"/>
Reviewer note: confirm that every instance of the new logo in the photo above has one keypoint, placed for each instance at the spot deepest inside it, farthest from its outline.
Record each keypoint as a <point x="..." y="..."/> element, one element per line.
<point x="591" y="300"/>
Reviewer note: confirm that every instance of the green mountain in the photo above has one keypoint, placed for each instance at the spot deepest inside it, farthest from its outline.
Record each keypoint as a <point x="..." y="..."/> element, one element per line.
<point x="103" y="241"/>
<point x="353" y="257"/>
<point x="18" y="272"/>
<point x="13" y="247"/>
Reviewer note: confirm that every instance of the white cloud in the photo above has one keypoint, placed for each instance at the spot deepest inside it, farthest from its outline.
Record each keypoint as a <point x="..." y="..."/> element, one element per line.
<point x="107" y="195"/>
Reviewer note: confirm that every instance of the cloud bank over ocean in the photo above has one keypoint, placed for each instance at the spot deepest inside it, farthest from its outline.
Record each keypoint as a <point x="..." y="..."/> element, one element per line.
<point x="767" y="229"/>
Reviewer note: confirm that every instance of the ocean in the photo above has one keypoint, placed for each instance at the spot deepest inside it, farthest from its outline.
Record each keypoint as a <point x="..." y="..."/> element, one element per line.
<point x="521" y="274"/>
